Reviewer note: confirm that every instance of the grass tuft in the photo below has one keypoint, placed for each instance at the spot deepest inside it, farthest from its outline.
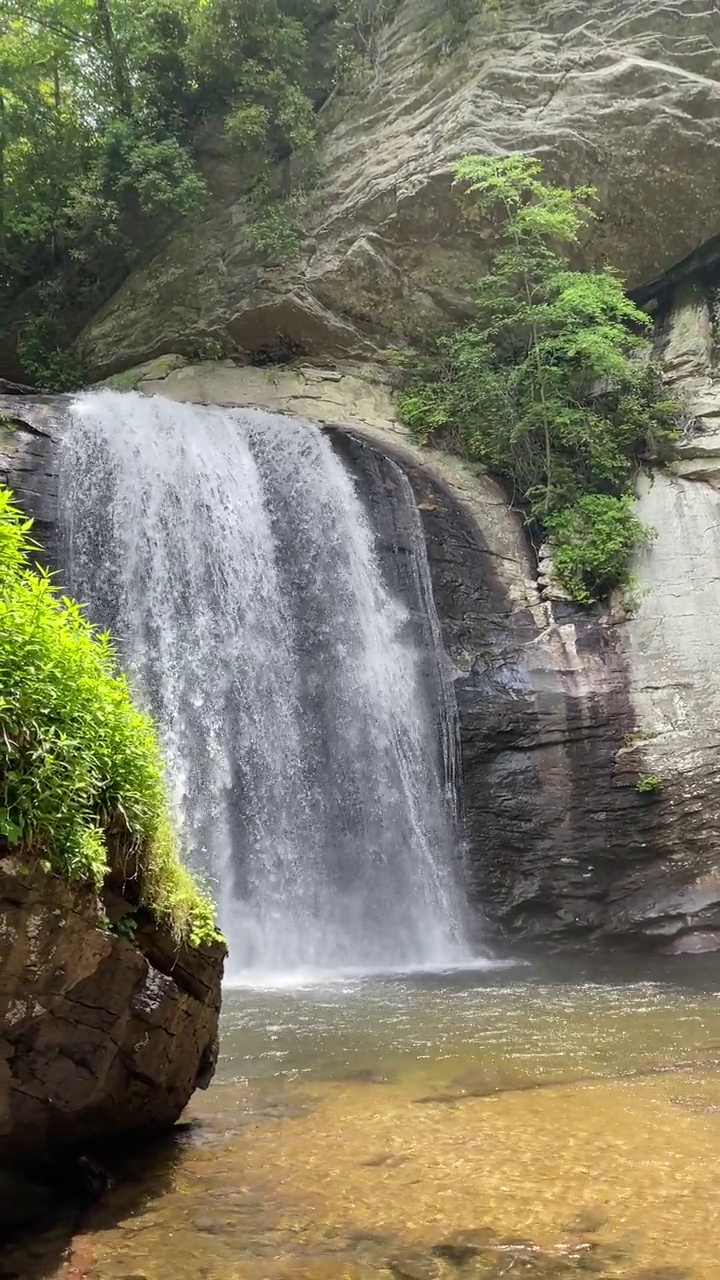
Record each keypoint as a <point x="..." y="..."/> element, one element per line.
<point x="80" y="765"/>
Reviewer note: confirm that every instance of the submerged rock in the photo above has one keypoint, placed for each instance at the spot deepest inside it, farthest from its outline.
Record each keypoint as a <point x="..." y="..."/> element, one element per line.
<point x="414" y="1265"/>
<point x="100" y="1035"/>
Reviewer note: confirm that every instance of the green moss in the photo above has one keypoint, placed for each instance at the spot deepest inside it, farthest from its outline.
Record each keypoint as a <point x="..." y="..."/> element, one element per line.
<point x="639" y="735"/>
<point x="80" y="766"/>
<point x="130" y="379"/>
<point x="126" y="381"/>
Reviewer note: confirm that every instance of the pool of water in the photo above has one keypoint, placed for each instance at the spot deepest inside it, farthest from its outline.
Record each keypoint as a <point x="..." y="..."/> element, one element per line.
<point x="555" y="1119"/>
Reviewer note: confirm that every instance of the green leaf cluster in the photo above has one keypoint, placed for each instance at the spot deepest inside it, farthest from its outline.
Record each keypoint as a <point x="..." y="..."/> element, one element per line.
<point x="551" y="384"/>
<point x="107" y="107"/>
<point x="649" y="784"/>
<point x="79" y="764"/>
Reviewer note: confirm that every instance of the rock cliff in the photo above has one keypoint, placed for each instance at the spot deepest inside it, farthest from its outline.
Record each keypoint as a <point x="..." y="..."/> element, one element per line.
<point x="624" y="94"/>
<point x="562" y="711"/>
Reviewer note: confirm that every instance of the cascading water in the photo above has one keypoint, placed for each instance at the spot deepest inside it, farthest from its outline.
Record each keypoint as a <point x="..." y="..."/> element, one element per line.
<point x="231" y="556"/>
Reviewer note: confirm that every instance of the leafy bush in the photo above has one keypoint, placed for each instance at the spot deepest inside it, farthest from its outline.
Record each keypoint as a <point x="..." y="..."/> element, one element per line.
<point x="593" y="541"/>
<point x="649" y="784"/>
<point x="551" y="384"/>
<point x="108" y="110"/>
<point x="78" y="762"/>
<point x="273" y="234"/>
<point x="46" y="363"/>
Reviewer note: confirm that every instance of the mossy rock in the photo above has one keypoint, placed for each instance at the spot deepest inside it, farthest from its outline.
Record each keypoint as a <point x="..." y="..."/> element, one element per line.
<point x="130" y="379"/>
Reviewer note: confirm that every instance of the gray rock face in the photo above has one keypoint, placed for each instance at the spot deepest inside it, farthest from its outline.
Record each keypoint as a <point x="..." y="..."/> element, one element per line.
<point x="623" y="94"/>
<point x="562" y="711"/>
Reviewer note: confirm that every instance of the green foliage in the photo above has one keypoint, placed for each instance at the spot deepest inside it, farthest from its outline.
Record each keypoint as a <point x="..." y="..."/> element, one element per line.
<point x="594" y="540"/>
<point x="126" y="928"/>
<point x="79" y="764"/>
<point x="273" y="234"/>
<point x="649" y="784"/>
<point x="105" y="106"/>
<point x="639" y="735"/>
<point x="550" y="385"/>
<point x="46" y="363"/>
<point x="358" y="29"/>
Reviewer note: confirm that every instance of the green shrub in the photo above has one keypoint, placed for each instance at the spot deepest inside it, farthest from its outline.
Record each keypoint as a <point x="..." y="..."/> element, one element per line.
<point x="551" y="385"/>
<point x="273" y="234"/>
<point x="78" y="762"/>
<point x="44" y="360"/>
<point x="593" y="542"/>
<point x="649" y="783"/>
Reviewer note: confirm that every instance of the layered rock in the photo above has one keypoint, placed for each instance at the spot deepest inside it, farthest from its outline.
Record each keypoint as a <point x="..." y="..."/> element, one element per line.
<point x="101" y="1032"/>
<point x="623" y="94"/>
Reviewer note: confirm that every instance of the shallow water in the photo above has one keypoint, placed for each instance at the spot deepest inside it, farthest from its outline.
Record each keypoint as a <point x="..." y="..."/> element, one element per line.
<point x="551" y="1120"/>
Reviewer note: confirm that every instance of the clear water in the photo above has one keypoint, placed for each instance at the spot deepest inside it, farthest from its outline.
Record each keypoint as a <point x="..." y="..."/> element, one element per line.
<point x="300" y="703"/>
<point x="555" y="1120"/>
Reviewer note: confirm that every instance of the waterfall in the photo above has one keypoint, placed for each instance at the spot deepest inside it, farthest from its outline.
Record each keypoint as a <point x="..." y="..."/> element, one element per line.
<point x="232" y="558"/>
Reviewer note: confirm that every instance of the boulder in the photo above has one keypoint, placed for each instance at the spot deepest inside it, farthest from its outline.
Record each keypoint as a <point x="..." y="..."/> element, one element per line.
<point x="101" y="1032"/>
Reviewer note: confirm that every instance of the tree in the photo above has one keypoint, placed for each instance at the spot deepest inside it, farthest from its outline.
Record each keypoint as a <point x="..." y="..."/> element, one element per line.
<point x="551" y="384"/>
<point x="103" y="107"/>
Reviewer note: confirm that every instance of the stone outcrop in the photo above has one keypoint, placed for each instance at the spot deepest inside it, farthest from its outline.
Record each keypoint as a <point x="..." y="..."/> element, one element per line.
<point x="624" y="94"/>
<point x="101" y="1032"/>
<point x="563" y="712"/>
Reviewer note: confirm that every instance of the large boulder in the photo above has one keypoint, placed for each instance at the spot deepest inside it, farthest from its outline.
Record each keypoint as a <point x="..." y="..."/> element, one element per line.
<point x="623" y="94"/>
<point x="105" y="1029"/>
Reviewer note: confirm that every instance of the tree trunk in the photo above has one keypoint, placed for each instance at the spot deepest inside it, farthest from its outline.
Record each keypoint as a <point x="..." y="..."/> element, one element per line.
<point x="122" y="88"/>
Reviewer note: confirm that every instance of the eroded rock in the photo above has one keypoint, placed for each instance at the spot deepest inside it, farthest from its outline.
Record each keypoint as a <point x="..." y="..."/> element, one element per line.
<point x="99" y="1035"/>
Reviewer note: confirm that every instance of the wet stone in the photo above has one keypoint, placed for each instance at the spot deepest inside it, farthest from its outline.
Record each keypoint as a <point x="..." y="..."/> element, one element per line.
<point x="588" y="1220"/>
<point x="663" y="1273"/>
<point x="385" y="1160"/>
<point x="212" y="1226"/>
<point x="463" y="1246"/>
<point x="414" y="1266"/>
<point x="367" y="1075"/>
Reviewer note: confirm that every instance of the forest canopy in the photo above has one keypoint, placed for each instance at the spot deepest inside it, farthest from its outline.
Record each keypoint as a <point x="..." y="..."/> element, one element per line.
<point x="103" y="109"/>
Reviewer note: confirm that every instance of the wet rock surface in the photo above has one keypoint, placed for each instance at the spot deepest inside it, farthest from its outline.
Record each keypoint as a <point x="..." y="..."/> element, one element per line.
<point x="99" y="1035"/>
